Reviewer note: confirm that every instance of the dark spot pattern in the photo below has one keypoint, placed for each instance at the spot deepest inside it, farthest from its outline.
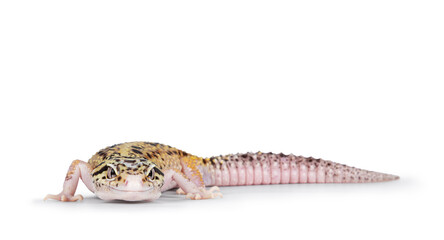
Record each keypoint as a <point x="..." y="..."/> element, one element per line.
<point x="157" y="170"/>
<point x="136" y="151"/>
<point x="103" y="169"/>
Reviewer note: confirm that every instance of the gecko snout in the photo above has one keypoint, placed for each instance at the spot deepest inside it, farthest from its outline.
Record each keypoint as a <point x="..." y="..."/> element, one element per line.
<point x="134" y="182"/>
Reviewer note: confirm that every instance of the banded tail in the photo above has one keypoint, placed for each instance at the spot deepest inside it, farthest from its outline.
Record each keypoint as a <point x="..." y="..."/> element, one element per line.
<point x="268" y="168"/>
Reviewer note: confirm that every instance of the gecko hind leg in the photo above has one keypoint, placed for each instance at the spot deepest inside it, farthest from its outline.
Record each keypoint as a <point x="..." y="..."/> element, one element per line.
<point x="193" y="191"/>
<point x="78" y="169"/>
<point x="211" y="190"/>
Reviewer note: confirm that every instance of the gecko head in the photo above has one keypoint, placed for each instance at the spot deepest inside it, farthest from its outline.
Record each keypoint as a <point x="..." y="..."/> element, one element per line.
<point x="129" y="179"/>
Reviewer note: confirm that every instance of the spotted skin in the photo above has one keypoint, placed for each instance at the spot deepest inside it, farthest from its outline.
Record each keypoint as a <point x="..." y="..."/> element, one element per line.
<point x="163" y="156"/>
<point x="140" y="171"/>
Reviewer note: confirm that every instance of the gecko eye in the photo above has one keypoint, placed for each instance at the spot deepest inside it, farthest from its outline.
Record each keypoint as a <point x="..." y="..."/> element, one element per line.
<point x="111" y="174"/>
<point x="150" y="173"/>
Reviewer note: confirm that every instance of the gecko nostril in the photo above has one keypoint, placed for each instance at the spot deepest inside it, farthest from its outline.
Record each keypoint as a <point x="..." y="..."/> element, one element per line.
<point x="133" y="182"/>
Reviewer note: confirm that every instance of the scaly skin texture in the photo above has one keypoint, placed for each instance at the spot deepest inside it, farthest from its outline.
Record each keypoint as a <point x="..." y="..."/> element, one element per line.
<point x="140" y="171"/>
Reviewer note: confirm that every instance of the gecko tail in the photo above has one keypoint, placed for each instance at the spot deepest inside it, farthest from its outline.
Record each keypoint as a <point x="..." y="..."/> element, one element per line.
<point x="269" y="168"/>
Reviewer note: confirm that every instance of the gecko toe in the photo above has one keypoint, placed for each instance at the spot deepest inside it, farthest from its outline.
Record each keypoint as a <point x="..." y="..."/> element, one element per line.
<point x="77" y="197"/>
<point x="50" y="196"/>
<point x="214" y="189"/>
<point x="63" y="198"/>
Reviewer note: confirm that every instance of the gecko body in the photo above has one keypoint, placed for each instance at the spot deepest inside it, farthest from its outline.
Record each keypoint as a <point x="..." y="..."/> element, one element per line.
<point x="141" y="171"/>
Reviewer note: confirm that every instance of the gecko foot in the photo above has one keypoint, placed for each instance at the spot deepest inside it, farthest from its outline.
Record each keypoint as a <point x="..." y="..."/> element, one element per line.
<point x="213" y="192"/>
<point x="64" y="197"/>
<point x="180" y="191"/>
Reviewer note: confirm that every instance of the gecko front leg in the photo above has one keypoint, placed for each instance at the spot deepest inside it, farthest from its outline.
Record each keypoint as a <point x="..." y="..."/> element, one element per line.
<point x="78" y="169"/>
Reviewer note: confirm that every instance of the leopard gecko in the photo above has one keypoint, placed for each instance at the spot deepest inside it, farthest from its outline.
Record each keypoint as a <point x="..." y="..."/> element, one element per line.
<point x="141" y="171"/>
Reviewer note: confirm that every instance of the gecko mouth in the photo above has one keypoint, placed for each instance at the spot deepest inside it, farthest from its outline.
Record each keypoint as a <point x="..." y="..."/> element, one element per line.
<point x="132" y="191"/>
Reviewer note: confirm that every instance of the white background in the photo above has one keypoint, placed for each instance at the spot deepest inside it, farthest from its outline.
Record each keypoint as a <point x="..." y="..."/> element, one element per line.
<point x="357" y="82"/>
